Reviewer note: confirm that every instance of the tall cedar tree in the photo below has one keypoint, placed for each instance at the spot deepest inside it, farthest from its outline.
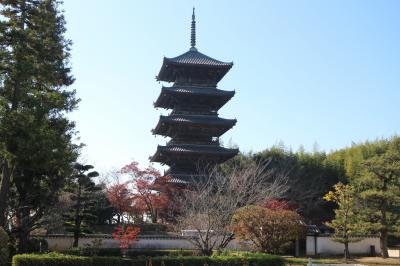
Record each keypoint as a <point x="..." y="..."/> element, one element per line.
<point x="36" y="136"/>
<point x="82" y="191"/>
<point x="347" y="229"/>
<point x="379" y="188"/>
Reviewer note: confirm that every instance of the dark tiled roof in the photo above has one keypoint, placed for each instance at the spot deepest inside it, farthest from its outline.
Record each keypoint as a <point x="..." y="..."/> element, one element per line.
<point x="213" y="97"/>
<point x="198" y="119"/>
<point x="196" y="151"/>
<point x="199" y="91"/>
<point x="186" y="178"/>
<point x="211" y="125"/>
<point x="203" y="149"/>
<point x="193" y="57"/>
<point x="197" y="63"/>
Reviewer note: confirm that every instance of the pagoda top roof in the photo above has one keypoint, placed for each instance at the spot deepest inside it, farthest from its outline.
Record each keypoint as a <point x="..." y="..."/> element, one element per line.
<point x="195" y="58"/>
<point x="192" y="59"/>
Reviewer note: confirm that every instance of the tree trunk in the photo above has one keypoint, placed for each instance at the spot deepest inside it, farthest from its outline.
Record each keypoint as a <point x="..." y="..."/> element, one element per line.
<point x="22" y="241"/>
<point x="4" y="189"/>
<point x="154" y="219"/>
<point x="77" y="229"/>
<point x="206" y="251"/>
<point x="346" y="250"/>
<point x="76" y="239"/>
<point x="383" y="241"/>
<point x="384" y="231"/>
<point x="22" y="228"/>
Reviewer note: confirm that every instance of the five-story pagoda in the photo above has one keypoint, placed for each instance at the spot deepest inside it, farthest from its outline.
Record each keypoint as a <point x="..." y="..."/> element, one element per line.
<point x="193" y="124"/>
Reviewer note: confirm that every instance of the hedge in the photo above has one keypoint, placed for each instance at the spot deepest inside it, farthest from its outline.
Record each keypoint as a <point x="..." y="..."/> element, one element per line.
<point x="4" y="252"/>
<point x="68" y="260"/>
<point x="116" y="252"/>
<point x="53" y="259"/>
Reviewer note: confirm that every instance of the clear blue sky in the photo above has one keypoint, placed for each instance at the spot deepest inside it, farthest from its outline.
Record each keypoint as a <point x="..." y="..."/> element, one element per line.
<point x="304" y="71"/>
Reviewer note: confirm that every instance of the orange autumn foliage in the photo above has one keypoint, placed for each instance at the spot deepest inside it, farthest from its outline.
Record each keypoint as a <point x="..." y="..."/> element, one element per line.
<point x="264" y="229"/>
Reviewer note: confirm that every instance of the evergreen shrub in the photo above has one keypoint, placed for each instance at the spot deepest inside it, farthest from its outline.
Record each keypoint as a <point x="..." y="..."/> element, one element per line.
<point x="4" y="252"/>
<point x="116" y="252"/>
<point x="53" y="259"/>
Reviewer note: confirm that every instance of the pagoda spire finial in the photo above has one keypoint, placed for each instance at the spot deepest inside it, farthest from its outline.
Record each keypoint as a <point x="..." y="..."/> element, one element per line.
<point x="193" y="33"/>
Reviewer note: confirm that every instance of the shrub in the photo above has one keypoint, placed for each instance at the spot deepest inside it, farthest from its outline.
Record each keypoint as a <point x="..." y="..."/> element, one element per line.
<point x="51" y="259"/>
<point x="4" y="252"/>
<point x="54" y="259"/>
<point x="268" y="230"/>
<point x="116" y="252"/>
<point x="255" y="260"/>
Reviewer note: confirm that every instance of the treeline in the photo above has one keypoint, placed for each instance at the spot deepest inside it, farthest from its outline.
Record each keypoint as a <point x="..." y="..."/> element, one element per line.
<point x="313" y="174"/>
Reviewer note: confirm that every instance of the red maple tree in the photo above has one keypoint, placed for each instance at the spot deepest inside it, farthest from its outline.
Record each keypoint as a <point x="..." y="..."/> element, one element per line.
<point x="120" y="196"/>
<point x="125" y="236"/>
<point x="279" y="205"/>
<point x="152" y="190"/>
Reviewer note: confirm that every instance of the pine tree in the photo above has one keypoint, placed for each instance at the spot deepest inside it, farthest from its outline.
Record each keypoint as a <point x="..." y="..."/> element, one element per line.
<point x="379" y="188"/>
<point x="83" y="195"/>
<point x="345" y="224"/>
<point x="37" y="149"/>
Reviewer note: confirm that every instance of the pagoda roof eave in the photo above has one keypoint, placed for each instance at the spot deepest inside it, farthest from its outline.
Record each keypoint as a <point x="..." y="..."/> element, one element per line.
<point x="218" y="97"/>
<point x="217" y="125"/>
<point x="216" y="153"/>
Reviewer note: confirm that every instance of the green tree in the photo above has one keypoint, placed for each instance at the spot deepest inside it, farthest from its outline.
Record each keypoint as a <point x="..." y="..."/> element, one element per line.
<point x="310" y="175"/>
<point x="103" y="210"/>
<point x="379" y="188"/>
<point x="83" y="195"/>
<point x="4" y="252"/>
<point x="346" y="221"/>
<point x="37" y="150"/>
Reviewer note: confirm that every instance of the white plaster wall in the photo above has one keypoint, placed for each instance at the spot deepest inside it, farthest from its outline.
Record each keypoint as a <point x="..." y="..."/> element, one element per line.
<point x="325" y="245"/>
<point x="310" y="246"/>
<point x="394" y="253"/>
<point x="61" y="243"/>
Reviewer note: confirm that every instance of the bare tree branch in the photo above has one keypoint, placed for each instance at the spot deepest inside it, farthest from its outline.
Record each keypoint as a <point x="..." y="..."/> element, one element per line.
<point x="209" y="205"/>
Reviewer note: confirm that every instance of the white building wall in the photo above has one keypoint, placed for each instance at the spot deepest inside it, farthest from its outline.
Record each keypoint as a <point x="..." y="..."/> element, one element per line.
<point x="61" y="243"/>
<point x="326" y="246"/>
<point x="394" y="253"/>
